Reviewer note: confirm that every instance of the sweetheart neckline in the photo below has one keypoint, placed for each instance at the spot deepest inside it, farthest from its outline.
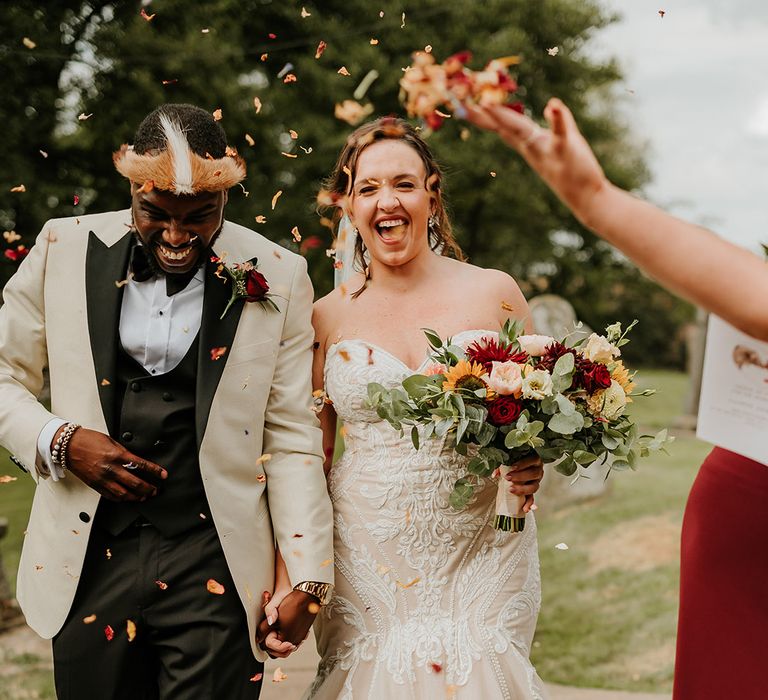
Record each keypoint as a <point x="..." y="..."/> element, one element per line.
<point x="334" y="346"/>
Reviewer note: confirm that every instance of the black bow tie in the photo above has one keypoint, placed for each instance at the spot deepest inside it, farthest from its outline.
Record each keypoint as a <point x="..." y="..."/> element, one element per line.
<point x="142" y="268"/>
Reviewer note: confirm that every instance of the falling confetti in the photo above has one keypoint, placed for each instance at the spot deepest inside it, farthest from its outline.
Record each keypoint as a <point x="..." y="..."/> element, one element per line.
<point x="290" y="78"/>
<point x="553" y="51"/>
<point x="320" y="48"/>
<point x="402" y="23"/>
<point x="28" y="42"/>
<point x="305" y="13"/>
<point x="278" y="676"/>
<point x="11" y="236"/>
<point x="256" y="678"/>
<point x="105" y="382"/>
<point x="147" y="17"/>
<point x="261" y="219"/>
<point x="217" y="114"/>
<point x="365" y="83"/>
<point x="249" y="139"/>
<point x="493" y="173"/>
<point x="296" y="235"/>
<point x="172" y="81"/>
<point x="261" y="478"/>
<point x="43" y="153"/>
<point x="257" y="104"/>
<point x="306" y="150"/>
<point x="288" y="155"/>
<point x="562" y="546"/>
<point x="89" y="619"/>
<point x="214" y="587"/>
<point x="293" y="134"/>
<point x="6" y="479"/>
<point x="19" y="188"/>
<point x="83" y="116"/>
<point x="205" y="31"/>
<point x="264" y="458"/>
<point x="109" y="633"/>
<point x="343" y="71"/>
<point x="217" y="353"/>
<point x="130" y="628"/>
<point x="263" y="57"/>
<point x="275" y="198"/>
<point x="374" y="42"/>
<point x="108" y="553"/>
<point x="76" y="200"/>
<point x="408" y="585"/>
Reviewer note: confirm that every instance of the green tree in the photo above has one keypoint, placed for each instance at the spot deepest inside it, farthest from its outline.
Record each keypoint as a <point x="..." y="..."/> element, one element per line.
<point x="222" y="54"/>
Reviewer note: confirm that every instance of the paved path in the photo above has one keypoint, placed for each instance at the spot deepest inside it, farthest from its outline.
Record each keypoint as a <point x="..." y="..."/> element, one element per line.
<point x="299" y="669"/>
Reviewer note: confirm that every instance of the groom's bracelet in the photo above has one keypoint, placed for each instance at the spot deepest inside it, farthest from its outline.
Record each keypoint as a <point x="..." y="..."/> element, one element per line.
<point x="60" y="447"/>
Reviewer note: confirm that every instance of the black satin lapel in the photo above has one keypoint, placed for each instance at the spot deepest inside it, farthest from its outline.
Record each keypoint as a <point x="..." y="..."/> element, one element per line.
<point x="214" y="333"/>
<point x="104" y="267"/>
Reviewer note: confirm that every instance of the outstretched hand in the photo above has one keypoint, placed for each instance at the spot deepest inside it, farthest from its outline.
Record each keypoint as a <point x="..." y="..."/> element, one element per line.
<point x="111" y="470"/>
<point x="560" y="154"/>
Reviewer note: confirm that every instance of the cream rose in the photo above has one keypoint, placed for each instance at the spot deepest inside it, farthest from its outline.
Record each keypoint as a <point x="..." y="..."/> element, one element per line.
<point x="506" y="379"/>
<point x="535" y="344"/>
<point x="537" y="384"/>
<point x="598" y="349"/>
<point x="434" y="368"/>
<point x="608" y="403"/>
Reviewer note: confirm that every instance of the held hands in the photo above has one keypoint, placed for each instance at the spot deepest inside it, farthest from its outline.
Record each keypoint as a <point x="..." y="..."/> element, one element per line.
<point x="525" y="477"/>
<point x="560" y="155"/>
<point x="286" y="624"/>
<point x="111" y="470"/>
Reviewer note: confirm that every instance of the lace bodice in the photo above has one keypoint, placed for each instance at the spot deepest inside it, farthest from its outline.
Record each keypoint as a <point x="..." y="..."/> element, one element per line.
<point x="419" y="586"/>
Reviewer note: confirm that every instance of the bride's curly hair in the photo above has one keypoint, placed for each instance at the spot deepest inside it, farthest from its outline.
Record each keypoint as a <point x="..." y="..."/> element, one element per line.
<point x="342" y="178"/>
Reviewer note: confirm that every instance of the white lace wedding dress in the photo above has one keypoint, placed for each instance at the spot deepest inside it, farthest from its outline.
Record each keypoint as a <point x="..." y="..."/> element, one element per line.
<point x="429" y="602"/>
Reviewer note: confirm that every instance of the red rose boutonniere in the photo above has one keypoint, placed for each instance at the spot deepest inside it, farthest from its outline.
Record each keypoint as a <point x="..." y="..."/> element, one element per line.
<point x="247" y="283"/>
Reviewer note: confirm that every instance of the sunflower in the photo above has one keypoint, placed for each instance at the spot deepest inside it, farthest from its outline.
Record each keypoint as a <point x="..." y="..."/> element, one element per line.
<point x="467" y="375"/>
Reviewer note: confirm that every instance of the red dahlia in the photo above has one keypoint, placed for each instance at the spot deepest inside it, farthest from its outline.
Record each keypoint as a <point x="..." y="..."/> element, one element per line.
<point x="594" y="376"/>
<point x="504" y="410"/>
<point x="489" y="350"/>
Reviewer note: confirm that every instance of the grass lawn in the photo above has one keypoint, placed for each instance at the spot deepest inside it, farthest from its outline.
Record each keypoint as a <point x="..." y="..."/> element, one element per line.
<point x="609" y="605"/>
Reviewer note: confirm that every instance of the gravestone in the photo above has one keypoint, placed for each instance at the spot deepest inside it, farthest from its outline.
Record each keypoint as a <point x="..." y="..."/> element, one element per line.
<point x="553" y="315"/>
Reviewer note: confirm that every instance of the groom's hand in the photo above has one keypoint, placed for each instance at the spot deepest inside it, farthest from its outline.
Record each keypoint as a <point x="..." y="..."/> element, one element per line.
<point x="111" y="470"/>
<point x="295" y="616"/>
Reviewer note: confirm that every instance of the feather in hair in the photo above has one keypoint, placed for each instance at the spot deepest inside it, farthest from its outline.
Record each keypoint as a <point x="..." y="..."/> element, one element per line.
<point x="179" y="150"/>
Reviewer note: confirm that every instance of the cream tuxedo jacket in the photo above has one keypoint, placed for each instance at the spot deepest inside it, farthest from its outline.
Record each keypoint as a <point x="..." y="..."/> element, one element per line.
<point x="61" y="311"/>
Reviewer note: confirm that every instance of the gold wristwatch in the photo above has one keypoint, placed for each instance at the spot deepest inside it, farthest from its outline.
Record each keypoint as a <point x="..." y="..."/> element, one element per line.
<point x="321" y="591"/>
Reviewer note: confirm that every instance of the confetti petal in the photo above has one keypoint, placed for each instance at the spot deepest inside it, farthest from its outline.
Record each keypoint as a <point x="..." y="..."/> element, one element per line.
<point x="19" y="188"/>
<point x="89" y="619"/>
<point x="275" y="198"/>
<point x="278" y="676"/>
<point x="109" y="633"/>
<point x="304" y="13"/>
<point x="217" y="353"/>
<point x="249" y="139"/>
<point x="296" y="235"/>
<point x="6" y="479"/>
<point x="320" y="48"/>
<point x="343" y="71"/>
<point x="562" y="546"/>
<point x="256" y="678"/>
<point x="130" y="628"/>
<point x="217" y="114"/>
<point x="261" y="219"/>
<point x="162" y="585"/>
<point x="214" y="587"/>
<point x="28" y="42"/>
<point x="257" y="104"/>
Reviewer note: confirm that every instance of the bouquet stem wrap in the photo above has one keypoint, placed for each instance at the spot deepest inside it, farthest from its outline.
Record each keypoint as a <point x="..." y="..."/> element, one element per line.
<point x="510" y="516"/>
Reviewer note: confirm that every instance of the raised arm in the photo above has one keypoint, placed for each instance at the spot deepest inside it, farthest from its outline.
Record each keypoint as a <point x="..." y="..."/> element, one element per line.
<point x="687" y="259"/>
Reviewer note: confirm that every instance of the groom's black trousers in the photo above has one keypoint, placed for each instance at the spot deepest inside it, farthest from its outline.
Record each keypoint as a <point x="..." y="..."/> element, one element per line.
<point x="190" y="644"/>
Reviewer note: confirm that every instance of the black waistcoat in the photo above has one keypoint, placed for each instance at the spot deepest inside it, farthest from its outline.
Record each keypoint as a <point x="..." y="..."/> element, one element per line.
<point x="156" y="420"/>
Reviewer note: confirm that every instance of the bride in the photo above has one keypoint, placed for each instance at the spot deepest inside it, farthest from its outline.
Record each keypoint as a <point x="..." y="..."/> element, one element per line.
<point x="429" y="602"/>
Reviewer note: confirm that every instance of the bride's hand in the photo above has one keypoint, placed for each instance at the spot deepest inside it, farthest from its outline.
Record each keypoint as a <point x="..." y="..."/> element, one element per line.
<point x="268" y="636"/>
<point x="525" y="477"/>
<point x="560" y="155"/>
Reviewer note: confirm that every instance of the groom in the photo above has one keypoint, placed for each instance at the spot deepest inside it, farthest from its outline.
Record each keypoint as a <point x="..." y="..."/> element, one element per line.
<point x="181" y="442"/>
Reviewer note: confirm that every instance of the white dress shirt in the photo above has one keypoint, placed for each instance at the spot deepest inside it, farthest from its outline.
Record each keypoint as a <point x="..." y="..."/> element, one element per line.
<point x="155" y="330"/>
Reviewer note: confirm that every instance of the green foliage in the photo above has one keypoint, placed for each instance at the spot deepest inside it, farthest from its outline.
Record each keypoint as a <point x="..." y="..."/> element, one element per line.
<point x="104" y="59"/>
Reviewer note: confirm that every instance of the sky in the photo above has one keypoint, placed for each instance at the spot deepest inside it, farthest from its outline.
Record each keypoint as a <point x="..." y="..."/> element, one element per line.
<point x="696" y="92"/>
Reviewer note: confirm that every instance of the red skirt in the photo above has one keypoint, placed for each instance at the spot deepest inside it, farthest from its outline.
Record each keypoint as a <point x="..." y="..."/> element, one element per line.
<point x="722" y="638"/>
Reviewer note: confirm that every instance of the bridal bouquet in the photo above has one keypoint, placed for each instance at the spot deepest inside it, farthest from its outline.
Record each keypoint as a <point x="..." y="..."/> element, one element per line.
<point x="509" y="395"/>
<point x="428" y="86"/>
